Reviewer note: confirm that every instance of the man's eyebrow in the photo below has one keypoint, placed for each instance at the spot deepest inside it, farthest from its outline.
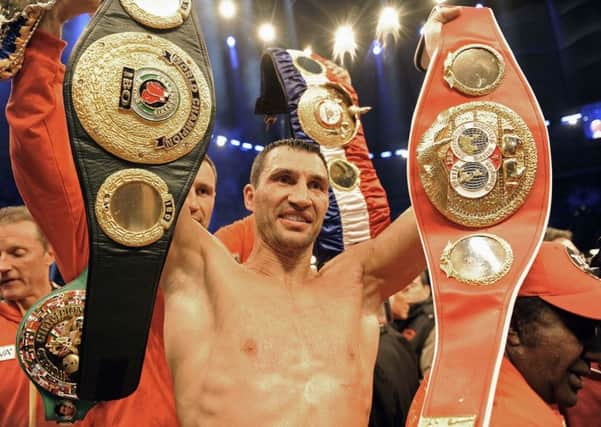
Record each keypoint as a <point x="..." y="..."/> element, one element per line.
<point x="281" y="170"/>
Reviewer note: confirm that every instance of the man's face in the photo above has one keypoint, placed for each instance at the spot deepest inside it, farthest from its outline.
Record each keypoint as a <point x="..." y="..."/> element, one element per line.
<point x="290" y="199"/>
<point x="553" y="363"/>
<point x="202" y="195"/>
<point x="24" y="262"/>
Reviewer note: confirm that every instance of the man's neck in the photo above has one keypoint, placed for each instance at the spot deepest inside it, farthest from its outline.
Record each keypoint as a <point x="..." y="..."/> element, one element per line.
<point x="24" y="304"/>
<point x="290" y="267"/>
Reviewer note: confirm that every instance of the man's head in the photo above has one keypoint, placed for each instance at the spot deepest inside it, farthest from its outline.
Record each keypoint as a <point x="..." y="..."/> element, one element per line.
<point x="561" y="236"/>
<point x="203" y="191"/>
<point x="553" y="321"/>
<point x="414" y="293"/>
<point x="288" y="193"/>
<point x="25" y="257"/>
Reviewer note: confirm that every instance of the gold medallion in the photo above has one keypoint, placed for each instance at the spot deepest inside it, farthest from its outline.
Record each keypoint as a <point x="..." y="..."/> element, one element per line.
<point x="328" y="116"/>
<point x="477" y="163"/>
<point x="468" y="421"/>
<point x="141" y="97"/>
<point x="159" y="14"/>
<point x="477" y="259"/>
<point x="344" y="175"/>
<point x="48" y="342"/>
<point x="475" y="69"/>
<point x="134" y="207"/>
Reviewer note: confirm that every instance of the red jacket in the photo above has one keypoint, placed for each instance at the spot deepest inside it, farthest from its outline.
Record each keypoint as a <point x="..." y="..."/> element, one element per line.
<point x="47" y="180"/>
<point x="515" y="404"/>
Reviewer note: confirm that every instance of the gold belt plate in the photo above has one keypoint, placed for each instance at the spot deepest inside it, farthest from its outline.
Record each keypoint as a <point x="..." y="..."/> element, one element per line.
<point x="159" y="14"/>
<point x="141" y="97"/>
<point x="477" y="163"/>
<point x="474" y="69"/>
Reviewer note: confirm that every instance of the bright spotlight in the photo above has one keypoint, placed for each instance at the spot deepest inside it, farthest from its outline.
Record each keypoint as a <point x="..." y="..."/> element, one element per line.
<point x="479" y="5"/>
<point x="308" y="51"/>
<point x="227" y="9"/>
<point x="388" y="24"/>
<point x="231" y="41"/>
<point x="266" y="32"/>
<point x="221" y="140"/>
<point x="377" y="48"/>
<point x="344" y="43"/>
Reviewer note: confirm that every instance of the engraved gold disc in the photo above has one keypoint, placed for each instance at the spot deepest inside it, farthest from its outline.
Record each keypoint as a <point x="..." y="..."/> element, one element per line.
<point x="141" y="97"/>
<point x="477" y="163"/>
<point x="306" y="65"/>
<point x="327" y="115"/>
<point x="474" y="69"/>
<point x="134" y="207"/>
<point x="159" y="14"/>
<point x="477" y="259"/>
<point x="344" y="175"/>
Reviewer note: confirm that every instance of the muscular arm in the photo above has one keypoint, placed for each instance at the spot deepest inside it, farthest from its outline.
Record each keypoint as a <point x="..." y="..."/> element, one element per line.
<point x="392" y="260"/>
<point x="41" y="154"/>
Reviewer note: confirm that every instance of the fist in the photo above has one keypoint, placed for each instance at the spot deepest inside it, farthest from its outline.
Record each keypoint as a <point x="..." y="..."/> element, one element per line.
<point x="440" y="15"/>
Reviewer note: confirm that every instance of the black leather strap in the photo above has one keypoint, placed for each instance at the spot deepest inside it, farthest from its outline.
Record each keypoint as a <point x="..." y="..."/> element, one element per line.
<point x="123" y="280"/>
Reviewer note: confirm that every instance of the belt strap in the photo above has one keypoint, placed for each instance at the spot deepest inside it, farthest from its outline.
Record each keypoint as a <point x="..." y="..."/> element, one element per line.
<point x="140" y="108"/>
<point x="323" y="108"/>
<point x="480" y="183"/>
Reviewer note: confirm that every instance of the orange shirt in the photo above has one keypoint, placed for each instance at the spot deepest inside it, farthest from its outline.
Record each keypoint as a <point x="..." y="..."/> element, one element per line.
<point x="239" y="237"/>
<point x="515" y="404"/>
<point x="45" y="174"/>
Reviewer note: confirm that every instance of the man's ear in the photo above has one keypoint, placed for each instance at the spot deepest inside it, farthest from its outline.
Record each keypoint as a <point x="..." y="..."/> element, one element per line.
<point x="249" y="197"/>
<point x="49" y="256"/>
<point x="513" y="338"/>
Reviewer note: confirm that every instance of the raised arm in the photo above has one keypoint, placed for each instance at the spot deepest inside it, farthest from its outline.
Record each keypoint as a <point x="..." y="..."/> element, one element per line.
<point x="393" y="259"/>
<point x="39" y="142"/>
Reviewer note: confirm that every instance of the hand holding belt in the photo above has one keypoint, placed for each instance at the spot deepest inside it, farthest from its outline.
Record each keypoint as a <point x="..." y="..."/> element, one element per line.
<point x="323" y="108"/>
<point x="140" y="108"/>
<point x="480" y="184"/>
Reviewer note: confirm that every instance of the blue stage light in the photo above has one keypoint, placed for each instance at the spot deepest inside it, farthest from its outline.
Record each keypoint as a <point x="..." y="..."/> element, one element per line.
<point x="231" y="42"/>
<point x="235" y="142"/>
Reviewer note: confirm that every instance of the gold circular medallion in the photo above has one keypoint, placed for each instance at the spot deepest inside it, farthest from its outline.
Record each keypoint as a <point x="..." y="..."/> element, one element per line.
<point x="134" y="207"/>
<point x="477" y="259"/>
<point x="159" y="14"/>
<point x="141" y="98"/>
<point x="344" y="175"/>
<point x="477" y="163"/>
<point x="474" y="69"/>
<point x="48" y="342"/>
<point x="328" y="116"/>
<point x="307" y="66"/>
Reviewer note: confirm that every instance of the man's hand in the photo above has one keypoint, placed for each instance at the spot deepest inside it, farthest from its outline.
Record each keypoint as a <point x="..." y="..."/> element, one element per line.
<point x="440" y="15"/>
<point x="63" y="11"/>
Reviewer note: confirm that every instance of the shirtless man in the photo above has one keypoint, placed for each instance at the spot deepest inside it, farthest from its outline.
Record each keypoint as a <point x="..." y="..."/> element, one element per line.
<point x="271" y="342"/>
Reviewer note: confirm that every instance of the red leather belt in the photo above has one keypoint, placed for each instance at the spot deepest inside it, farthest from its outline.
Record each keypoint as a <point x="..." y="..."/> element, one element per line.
<point x="480" y="184"/>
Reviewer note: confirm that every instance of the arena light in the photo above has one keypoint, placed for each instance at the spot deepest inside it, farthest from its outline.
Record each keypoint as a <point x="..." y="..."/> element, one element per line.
<point x="221" y="140"/>
<point x="235" y="142"/>
<point x="231" y="42"/>
<point x="344" y="43"/>
<point x="547" y="123"/>
<point x="247" y="146"/>
<point x="377" y="48"/>
<point x="571" y="119"/>
<point x="385" y="154"/>
<point x="259" y="147"/>
<point x="388" y="25"/>
<point x="401" y="153"/>
<point x="479" y="5"/>
<point x="266" y="32"/>
<point x="371" y="155"/>
<point x="308" y="50"/>
<point x="227" y="9"/>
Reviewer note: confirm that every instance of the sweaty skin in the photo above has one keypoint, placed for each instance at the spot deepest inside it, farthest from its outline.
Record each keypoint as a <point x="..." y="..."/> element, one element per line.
<point x="272" y="343"/>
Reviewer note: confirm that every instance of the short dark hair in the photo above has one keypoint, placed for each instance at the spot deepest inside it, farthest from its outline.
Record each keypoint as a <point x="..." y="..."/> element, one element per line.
<point x="294" y="144"/>
<point x="211" y="164"/>
<point x="557" y="233"/>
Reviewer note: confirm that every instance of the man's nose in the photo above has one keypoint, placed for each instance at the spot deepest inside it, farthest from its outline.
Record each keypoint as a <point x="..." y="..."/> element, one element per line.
<point x="299" y="196"/>
<point x="4" y="265"/>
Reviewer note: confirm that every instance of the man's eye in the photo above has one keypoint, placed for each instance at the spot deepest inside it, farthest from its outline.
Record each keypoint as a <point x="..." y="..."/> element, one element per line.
<point x="315" y="185"/>
<point x="19" y="253"/>
<point x="285" y="179"/>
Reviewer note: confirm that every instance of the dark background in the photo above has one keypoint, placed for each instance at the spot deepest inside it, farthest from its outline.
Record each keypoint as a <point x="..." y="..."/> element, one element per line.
<point x="556" y="42"/>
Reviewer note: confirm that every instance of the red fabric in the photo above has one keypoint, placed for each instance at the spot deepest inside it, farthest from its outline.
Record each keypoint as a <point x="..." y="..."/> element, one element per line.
<point x="239" y="237"/>
<point x="515" y="403"/>
<point x="45" y="174"/>
<point x="587" y="412"/>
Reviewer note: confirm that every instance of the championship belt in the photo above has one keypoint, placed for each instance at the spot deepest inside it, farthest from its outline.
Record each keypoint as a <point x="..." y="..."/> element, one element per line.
<point x="18" y="21"/>
<point x="140" y="109"/>
<point x="480" y="184"/>
<point x="323" y="108"/>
